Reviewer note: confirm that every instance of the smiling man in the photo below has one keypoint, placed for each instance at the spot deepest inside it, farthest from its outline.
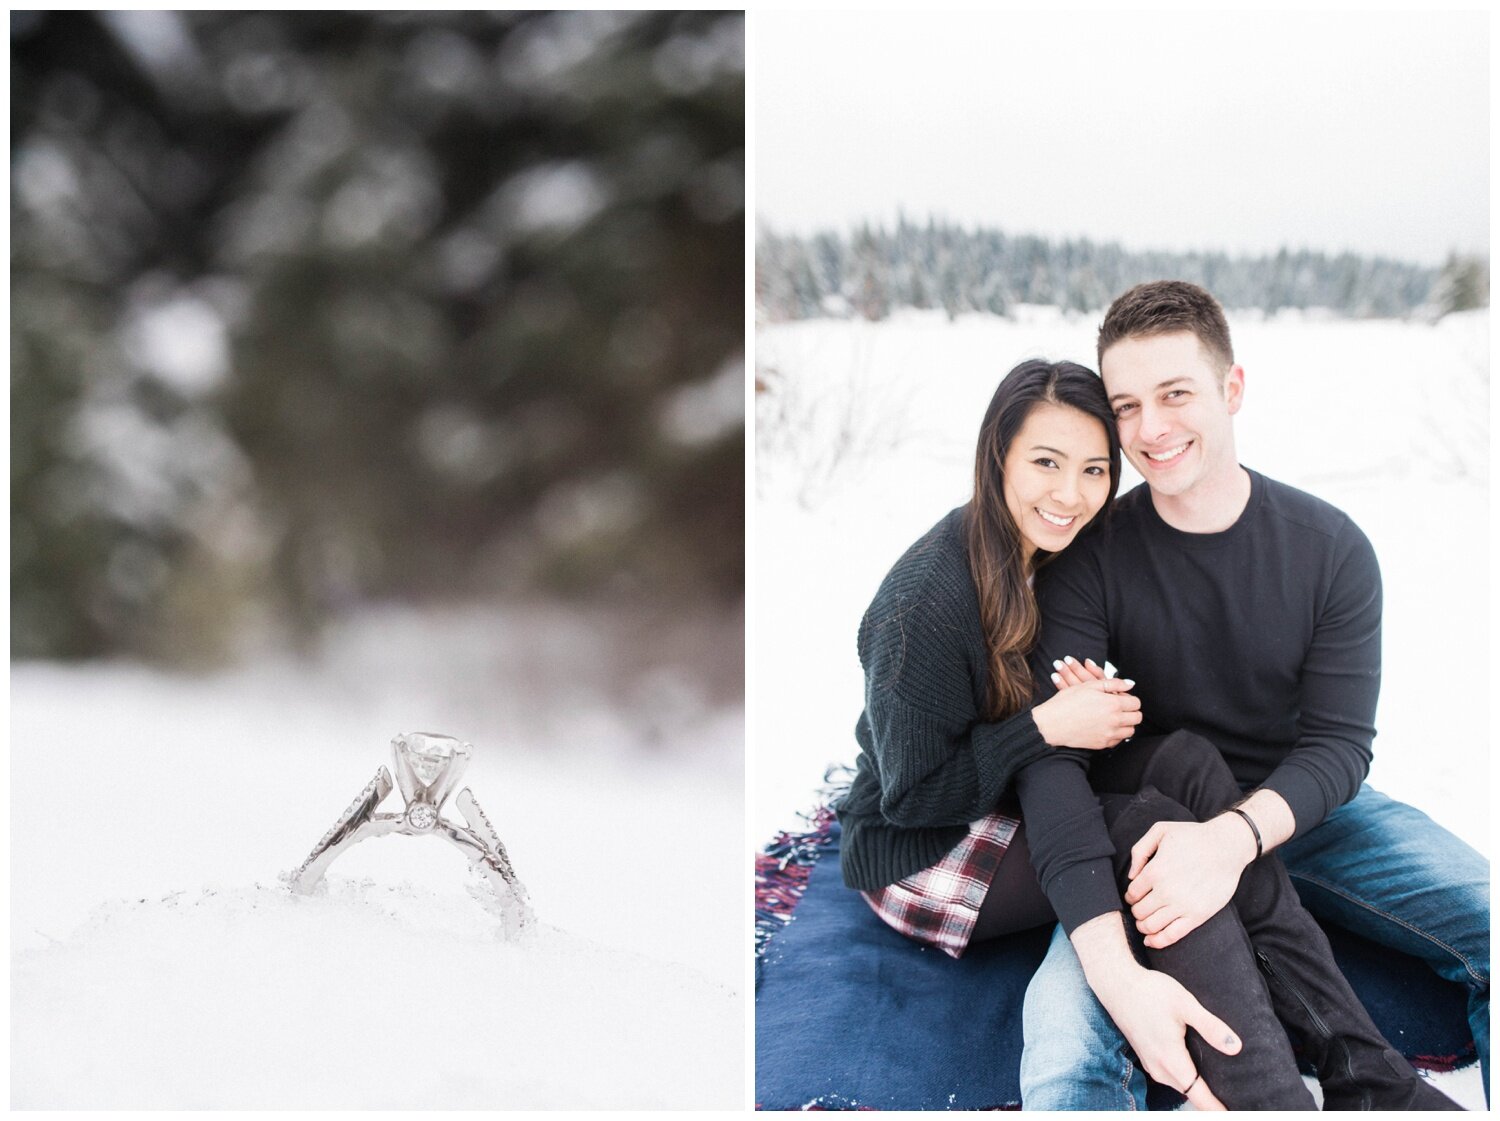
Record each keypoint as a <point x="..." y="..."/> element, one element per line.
<point x="1248" y="612"/>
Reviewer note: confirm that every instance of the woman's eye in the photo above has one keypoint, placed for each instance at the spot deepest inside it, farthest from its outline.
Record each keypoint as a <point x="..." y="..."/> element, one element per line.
<point x="1096" y="471"/>
<point x="1045" y="462"/>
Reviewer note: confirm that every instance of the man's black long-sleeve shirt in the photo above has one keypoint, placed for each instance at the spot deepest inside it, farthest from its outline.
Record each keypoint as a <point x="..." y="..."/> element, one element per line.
<point x="1264" y="638"/>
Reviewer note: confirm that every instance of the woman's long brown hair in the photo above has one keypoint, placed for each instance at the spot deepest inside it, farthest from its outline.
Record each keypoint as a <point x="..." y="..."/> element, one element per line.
<point x="1007" y="607"/>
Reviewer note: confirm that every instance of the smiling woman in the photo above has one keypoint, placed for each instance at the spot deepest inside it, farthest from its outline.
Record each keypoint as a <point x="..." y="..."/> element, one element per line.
<point x="1039" y="409"/>
<point x="1052" y="492"/>
<point x="948" y="722"/>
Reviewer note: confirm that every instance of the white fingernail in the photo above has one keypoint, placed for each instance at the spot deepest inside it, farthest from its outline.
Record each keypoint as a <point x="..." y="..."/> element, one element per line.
<point x="1057" y="665"/>
<point x="1069" y="660"/>
<point x="1056" y="680"/>
<point x="1129" y="684"/>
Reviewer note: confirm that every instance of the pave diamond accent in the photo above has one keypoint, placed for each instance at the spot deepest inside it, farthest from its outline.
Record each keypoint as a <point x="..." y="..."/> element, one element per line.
<point x="421" y="816"/>
<point x="499" y="859"/>
<point x="359" y="810"/>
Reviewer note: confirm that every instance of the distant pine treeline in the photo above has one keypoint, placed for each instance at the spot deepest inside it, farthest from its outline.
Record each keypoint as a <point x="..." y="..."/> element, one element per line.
<point x="874" y="271"/>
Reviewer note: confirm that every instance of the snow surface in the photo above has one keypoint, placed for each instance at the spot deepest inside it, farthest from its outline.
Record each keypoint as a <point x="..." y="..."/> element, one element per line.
<point x="865" y="436"/>
<point x="158" y="961"/>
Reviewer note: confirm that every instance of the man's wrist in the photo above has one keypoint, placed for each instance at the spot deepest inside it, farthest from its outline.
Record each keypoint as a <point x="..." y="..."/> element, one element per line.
<point x="1104" y="952"/>
<point x="1254" y="829"/>
<point x="1238" y="834"/>
<point x="1270" y="812"/>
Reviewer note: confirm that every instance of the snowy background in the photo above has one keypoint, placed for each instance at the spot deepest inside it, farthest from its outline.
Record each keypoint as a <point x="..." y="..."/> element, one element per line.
<point x="865" y="435"/>
<point x="159" y="963"/>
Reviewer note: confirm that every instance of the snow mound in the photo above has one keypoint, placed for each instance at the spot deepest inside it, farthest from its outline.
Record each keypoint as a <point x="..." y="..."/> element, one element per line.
<point x="358" y="997"/>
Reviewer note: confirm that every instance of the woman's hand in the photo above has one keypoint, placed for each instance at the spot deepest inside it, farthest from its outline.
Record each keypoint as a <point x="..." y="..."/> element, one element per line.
<point x="1070" y="671"/>
<point x="1094" y="714"/>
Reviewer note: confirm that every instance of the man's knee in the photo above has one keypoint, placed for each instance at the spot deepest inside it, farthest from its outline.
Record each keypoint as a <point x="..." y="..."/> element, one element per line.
<point x="1190" y="769"/>
<point x="1184" y="753"/>
<point x="1130" y="817"/>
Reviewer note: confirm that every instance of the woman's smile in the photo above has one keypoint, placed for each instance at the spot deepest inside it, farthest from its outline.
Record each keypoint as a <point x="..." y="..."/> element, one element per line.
<point x="1059" y="520"/>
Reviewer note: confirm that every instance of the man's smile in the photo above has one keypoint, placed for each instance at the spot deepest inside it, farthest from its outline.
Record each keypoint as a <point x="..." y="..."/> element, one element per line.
<point x="1169" y="455"/>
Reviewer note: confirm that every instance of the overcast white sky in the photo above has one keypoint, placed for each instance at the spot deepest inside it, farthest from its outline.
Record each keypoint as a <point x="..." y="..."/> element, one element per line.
<point x="1331" y="131"/>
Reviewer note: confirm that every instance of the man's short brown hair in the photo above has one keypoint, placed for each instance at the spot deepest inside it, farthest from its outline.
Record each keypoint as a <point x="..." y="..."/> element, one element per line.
<point x="1162" y="307"/>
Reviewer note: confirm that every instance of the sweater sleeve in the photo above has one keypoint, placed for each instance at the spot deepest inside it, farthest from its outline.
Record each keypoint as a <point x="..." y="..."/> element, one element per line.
<point x="939" y="763"/>
<point x="1338" y="691"/>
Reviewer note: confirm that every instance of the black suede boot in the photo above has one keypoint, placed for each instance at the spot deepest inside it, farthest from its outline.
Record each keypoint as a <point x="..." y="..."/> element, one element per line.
<point x="1357" y="1068"/>
<point x="1216" y="964"/>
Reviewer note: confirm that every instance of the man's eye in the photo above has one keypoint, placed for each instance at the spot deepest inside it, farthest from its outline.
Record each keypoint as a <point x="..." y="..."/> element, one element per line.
<point x="1121" y="410"/>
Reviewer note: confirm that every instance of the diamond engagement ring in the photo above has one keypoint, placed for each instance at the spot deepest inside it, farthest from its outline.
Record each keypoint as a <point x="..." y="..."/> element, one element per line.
<point x="428" y="767"/>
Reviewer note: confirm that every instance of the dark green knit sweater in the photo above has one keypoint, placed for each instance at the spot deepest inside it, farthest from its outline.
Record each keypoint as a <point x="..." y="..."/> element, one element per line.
<point x="929" y="763"/>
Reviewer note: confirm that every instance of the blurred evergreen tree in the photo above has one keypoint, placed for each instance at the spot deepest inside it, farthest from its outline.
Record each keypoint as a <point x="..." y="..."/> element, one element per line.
<point x="1462" y="285"/>
<point x="870" y="288"/>
<point x="310" y="308"/>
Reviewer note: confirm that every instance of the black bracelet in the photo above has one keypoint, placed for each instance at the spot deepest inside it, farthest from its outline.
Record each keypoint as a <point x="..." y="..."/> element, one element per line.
<point x="1259" y="849"/>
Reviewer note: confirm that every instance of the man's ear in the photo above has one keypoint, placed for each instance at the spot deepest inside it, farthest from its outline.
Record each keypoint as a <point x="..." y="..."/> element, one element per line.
<point x="1234" y="388"/>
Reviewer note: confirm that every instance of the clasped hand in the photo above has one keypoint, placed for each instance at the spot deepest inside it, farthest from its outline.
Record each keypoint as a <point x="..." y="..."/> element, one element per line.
<point x="1092" y="712"/>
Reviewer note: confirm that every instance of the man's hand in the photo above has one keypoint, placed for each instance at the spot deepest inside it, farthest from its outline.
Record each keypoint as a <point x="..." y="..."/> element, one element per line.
<point x="1182" y="873"/>
<point x="1152" y="1011"/>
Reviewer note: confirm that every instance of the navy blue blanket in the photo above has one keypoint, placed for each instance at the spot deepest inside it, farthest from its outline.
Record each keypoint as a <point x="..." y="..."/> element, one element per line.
<point x="851" y="1015"/>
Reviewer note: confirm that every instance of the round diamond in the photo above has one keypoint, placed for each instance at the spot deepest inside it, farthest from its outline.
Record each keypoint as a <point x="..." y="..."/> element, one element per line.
<point x="430" y="754"/>
<point x="421" y="816"/>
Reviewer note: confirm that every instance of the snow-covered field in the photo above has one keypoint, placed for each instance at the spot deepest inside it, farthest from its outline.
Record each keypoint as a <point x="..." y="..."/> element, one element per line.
<point x="158" y="962"/>
<point x="865" y="437"/>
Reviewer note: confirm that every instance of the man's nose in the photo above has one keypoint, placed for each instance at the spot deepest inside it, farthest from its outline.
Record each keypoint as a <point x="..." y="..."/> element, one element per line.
<point x="1154" y="423"/>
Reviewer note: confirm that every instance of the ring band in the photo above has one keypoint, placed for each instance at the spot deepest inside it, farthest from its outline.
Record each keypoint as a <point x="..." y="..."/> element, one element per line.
<point x="427" y="767"/>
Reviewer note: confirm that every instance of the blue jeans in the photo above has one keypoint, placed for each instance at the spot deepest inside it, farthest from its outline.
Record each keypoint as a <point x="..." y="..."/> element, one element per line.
<point x="1376" y="866"/>
<point x="1074" y="1057"/>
